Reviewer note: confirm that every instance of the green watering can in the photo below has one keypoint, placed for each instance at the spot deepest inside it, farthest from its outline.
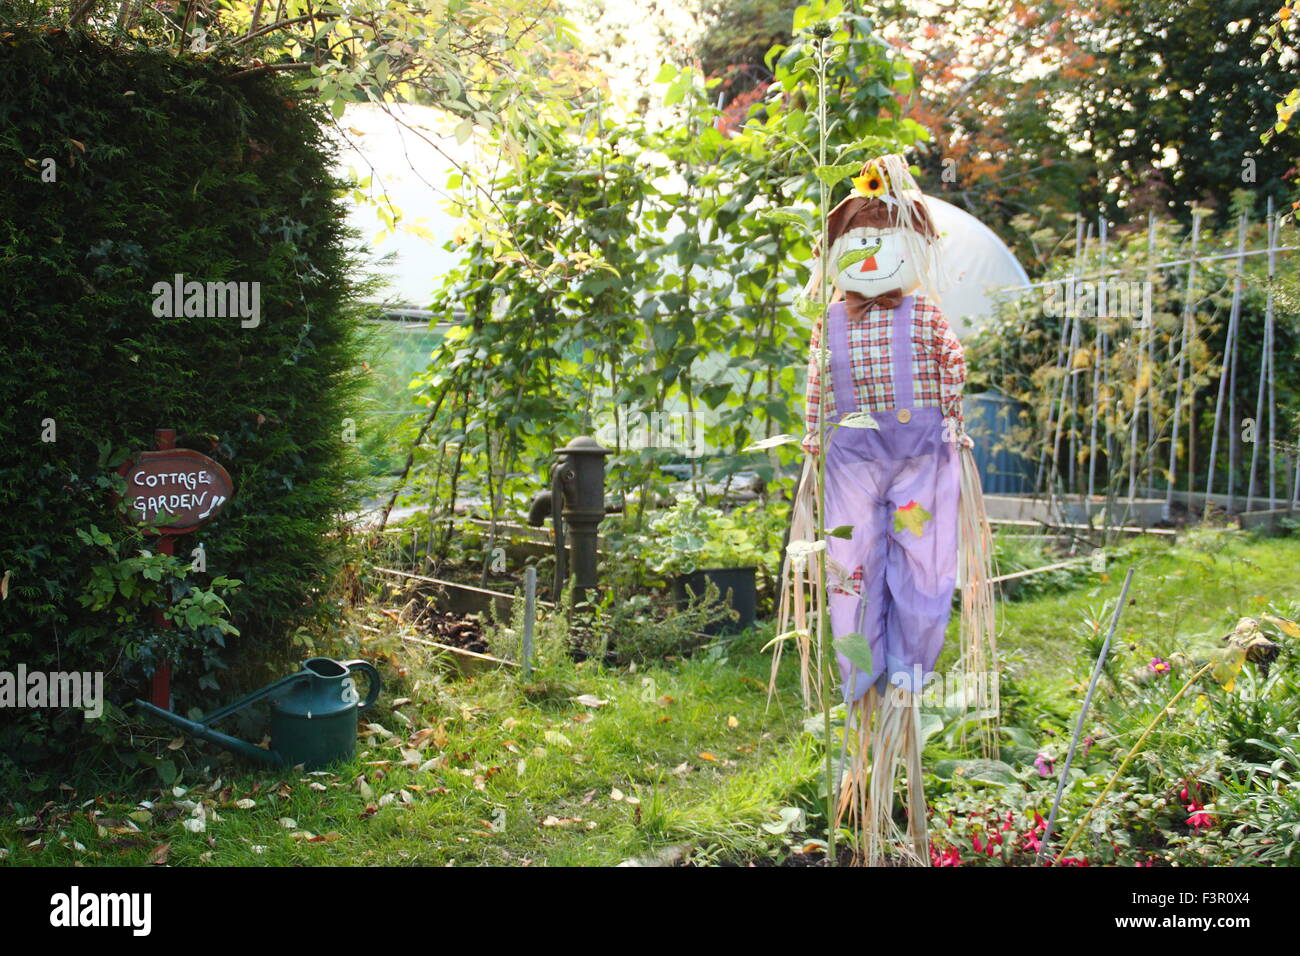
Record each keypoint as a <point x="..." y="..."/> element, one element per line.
<point x="313" y="715"/>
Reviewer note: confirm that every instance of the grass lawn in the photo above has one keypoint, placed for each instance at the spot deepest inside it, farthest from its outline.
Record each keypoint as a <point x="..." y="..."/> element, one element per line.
<point x="595" y="765"/>
<point x="476" y="772"/>
<point x="1190" y="594"/>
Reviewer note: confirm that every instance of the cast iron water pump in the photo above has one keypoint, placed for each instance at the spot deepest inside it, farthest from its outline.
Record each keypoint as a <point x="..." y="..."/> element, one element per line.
<point x="576" y="502"/>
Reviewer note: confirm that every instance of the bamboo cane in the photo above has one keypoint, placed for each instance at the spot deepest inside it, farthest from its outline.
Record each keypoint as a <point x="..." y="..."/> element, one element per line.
<point x="1182" y="365"/>
<point x="1229" y="356"/>
<point x="1083" y="715"/>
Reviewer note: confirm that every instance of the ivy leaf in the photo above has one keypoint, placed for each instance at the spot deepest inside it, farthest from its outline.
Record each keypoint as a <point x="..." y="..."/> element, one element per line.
<point x="774" y="442"/>
<point x="808" y="307"/>
<point x="857" y="649"/>
<point x="834" y="173"/>
<point x="911" y="517"/>
<point x="1228" y="666"/>
<point x="1287" y="627"/>
<point x="858" y="420"/>
<point x="854" y="256"/>
<point x="791" y="215"/>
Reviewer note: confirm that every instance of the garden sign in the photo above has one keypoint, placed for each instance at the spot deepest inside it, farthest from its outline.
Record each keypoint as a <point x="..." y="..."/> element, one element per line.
<point x="182" y="487"/>
<point x="174" y="490"/>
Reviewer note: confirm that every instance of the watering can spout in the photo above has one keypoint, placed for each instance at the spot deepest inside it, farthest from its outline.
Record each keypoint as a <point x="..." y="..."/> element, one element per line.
<point x="195" y="729"/>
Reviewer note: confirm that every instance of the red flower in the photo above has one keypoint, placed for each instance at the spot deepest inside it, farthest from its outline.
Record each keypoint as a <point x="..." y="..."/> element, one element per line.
<point x="949" y="857"/>
<point x="1198" y="819"/>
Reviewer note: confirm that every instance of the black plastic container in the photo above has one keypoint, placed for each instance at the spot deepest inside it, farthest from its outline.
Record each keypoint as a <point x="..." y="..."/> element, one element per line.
<point x="737" y="587"/>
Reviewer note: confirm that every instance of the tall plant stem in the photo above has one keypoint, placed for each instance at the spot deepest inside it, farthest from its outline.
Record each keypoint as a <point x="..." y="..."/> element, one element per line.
<point x="827" y="658"/>
<point x="1110" y="784"/>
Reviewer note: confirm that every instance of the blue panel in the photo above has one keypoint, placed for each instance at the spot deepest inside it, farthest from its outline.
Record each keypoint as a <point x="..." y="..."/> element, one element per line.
<point x="990" y="417"/>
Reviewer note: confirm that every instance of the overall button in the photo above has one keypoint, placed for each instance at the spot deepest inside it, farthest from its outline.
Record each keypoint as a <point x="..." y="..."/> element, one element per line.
<point x="904" y="416"/>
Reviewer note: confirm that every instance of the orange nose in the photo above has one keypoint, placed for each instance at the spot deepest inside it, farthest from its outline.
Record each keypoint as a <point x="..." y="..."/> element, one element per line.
<point x="869" y="264"/>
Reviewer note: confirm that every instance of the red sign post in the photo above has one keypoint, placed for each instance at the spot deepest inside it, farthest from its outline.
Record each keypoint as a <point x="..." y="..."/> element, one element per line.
<point x="175" y="490"/>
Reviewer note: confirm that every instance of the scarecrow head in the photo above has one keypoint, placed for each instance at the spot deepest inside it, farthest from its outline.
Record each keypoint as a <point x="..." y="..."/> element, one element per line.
<point x="882" y="239"/>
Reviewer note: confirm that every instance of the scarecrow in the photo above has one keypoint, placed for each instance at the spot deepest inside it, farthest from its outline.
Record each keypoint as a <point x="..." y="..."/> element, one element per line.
<point x="901" y="493"/>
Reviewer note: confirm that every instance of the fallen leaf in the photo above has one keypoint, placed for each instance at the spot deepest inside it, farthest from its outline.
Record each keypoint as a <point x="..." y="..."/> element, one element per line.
<point x="158" y="855"/>
<point x="705" y="755"/>
<point x="589" y="700"/>
<point x="554" y="821"/>
<point x="557" y="739"/>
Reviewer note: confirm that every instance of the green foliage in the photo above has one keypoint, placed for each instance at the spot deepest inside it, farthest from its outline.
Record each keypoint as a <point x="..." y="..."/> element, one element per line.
<point x="1115" y="364"/>
<point x="164" y="166"/>
<point x="634" y="273"/>
<point x="690" y="536"/>
<point x="642" y="632"/>
<point x="129" y="590"/>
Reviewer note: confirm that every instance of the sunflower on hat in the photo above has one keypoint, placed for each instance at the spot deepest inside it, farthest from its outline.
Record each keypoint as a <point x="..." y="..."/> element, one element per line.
<point x="871" y="183"/>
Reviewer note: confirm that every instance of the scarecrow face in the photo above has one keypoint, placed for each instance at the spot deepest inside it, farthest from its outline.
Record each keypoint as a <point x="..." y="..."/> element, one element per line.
<point x="872" y="262"/>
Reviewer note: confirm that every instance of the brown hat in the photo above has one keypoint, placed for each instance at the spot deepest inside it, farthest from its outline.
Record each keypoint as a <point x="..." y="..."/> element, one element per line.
<point x="857" y="212"/>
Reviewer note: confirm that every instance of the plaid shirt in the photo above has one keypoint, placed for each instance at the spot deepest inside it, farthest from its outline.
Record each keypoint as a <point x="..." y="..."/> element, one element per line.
<point x="938" y="366"/>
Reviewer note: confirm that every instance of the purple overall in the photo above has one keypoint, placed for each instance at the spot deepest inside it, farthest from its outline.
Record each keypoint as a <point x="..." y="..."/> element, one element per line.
<point x="897" y="486"/>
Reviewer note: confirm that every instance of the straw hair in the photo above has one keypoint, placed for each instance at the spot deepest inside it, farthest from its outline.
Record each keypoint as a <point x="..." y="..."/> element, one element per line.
<point x="886" y="731"/>
<point x="979" y="649"/>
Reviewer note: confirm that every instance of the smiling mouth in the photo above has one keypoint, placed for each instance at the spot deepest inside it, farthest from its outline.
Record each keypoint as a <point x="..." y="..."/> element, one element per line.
<point x="856" y="273"/>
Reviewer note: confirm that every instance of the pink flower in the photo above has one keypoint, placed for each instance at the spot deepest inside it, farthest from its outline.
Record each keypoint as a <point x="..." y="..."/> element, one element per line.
<point x="949" y="857"/>
<point x="1044" y="765"/>
<point x="1157" y="666"/>
<point x="1073" y="861"/>
<point x="1198" y="819"/>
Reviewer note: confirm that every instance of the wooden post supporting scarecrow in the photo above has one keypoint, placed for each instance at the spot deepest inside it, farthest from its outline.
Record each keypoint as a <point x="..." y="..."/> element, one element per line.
<point x="902" y="492"/>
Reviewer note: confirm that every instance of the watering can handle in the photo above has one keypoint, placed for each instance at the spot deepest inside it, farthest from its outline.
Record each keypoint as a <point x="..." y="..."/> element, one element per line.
<point x="373" y="676"/>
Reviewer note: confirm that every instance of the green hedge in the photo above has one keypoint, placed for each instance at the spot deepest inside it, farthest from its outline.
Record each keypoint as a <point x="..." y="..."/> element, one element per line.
<point x="164" y="165"/>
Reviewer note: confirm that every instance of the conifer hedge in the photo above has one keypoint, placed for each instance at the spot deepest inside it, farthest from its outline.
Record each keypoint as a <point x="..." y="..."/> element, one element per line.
<point x="164" y="165"/>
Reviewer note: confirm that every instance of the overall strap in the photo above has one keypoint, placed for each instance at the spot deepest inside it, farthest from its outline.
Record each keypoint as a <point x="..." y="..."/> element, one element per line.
<point x="902" y="349"/>
<point x="841" y="362"/>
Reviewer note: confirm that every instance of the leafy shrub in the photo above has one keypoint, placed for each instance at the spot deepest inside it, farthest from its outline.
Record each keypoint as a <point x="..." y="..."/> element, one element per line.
<point x="163" y="166"/>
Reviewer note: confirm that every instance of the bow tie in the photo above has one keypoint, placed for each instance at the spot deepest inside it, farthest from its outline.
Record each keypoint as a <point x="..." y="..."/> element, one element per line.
<point x="858" y="304"/>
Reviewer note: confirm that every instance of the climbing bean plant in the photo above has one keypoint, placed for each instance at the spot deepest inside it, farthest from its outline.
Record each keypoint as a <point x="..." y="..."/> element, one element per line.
<point x="640" y="267"/>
